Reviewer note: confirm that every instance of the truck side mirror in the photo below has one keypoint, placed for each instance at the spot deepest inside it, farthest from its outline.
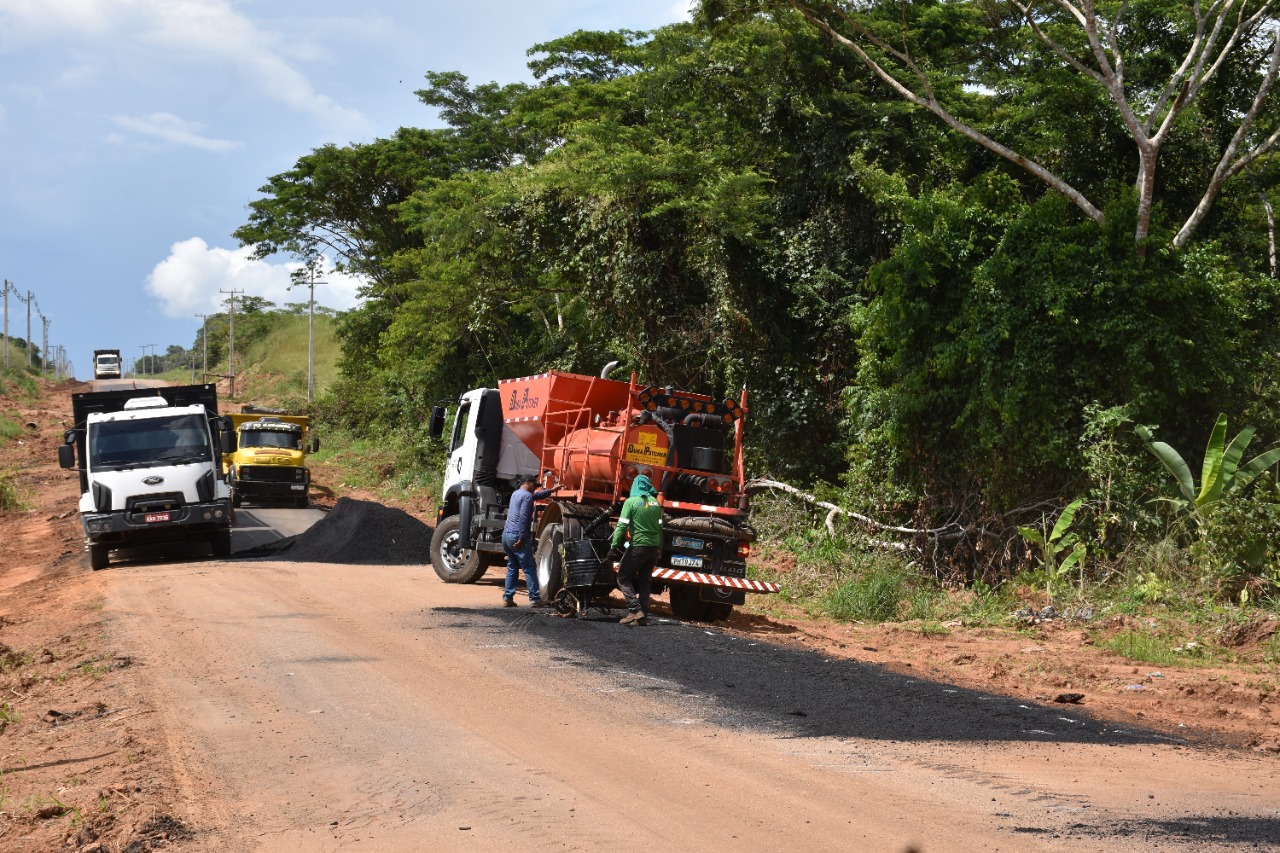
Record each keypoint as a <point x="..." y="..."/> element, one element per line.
<point x="313" y="445"/>
<point x="69" y="437"/>
<point x="436" y="429"/>
<point x="66" y="456"/>
<point x="227" y="440"/>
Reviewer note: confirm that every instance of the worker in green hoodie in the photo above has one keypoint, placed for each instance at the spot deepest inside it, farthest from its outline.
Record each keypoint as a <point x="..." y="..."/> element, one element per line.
<point x="640" y="522"/>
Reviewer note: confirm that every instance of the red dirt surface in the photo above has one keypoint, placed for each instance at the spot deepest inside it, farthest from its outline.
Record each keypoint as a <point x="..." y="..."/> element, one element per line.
<point x="85" y="766"/>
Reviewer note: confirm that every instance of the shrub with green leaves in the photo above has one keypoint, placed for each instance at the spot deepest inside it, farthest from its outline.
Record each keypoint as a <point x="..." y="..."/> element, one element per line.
<point x="1238" y="548"/>
<point x="10" y="496"/>
<point x="883" y="589"/>
<point x="1222" y="476"/>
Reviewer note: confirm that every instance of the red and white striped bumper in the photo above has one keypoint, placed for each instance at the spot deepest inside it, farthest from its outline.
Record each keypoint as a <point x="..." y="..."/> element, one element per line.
<point x="683" y="576"/>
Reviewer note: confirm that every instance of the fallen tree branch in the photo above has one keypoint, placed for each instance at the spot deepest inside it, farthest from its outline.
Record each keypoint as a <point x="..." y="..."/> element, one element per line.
<point x="951" y="529"/>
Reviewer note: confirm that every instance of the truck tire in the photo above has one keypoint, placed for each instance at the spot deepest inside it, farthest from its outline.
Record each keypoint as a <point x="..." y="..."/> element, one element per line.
<point x="687" y="605"/>
<point x="99" y="557"/>
<point x="717" y="611"/>
<point x="549" y="558"/>
<point x="220" y="543"/>
<point x="303" y="502"/>
<point x="236" y="497"/>
<point x="451" y="564"/>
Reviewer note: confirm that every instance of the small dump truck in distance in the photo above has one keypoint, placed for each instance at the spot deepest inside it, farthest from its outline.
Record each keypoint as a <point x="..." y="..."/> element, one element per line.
<point x="106" y="364"/>
<point x="269" y="462"/>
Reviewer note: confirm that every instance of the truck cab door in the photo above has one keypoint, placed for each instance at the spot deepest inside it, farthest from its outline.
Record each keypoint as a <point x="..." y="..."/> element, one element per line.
<point x="462" y="446"/>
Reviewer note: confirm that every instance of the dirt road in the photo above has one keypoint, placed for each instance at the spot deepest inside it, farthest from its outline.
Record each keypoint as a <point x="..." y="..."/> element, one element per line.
<point x="192" y="704"/>
<point x="326" y="707"/>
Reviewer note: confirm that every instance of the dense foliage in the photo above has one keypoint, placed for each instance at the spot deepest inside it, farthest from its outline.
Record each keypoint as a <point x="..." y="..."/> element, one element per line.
<point x="744" y="201"/>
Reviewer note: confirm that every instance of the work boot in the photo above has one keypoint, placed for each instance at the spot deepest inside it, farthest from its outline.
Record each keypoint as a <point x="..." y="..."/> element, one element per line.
<point x="508" y="602"/>
<point x="632" y="616"/>
<point x="540" y="603"/>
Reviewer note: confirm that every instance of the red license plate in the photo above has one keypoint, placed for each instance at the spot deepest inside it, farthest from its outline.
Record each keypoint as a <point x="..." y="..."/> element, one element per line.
<point x="156" y="516"/>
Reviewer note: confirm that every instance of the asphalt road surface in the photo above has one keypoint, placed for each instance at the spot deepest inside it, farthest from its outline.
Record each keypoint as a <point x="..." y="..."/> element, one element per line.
<point x="314" y="706"/>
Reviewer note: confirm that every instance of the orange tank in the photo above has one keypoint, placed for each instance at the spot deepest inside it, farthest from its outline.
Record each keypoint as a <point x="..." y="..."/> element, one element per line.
<point x="595" y="459"/>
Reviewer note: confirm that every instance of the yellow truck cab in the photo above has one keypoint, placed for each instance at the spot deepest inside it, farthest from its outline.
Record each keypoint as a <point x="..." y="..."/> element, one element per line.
<point x="269" y="462"/>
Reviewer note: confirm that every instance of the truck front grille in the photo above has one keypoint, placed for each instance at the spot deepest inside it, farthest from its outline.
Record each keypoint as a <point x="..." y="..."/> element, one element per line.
<point x="271" y="473"/>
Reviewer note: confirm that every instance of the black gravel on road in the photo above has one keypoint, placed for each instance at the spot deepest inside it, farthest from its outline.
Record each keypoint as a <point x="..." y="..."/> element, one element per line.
<point x="755" y="684"/>
<point x="355" y="533"/>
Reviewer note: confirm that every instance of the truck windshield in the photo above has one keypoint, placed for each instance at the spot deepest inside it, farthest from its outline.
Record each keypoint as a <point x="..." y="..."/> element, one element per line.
<point x="175" y="440"/>
<point x="270" y="438"/>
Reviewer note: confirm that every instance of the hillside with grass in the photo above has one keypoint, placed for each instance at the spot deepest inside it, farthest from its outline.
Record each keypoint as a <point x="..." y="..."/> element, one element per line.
<point x="270" y="356"/>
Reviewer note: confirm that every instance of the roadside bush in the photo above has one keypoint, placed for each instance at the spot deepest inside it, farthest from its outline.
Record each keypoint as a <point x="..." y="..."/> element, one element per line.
<point x="10" y="496"/>
<point x="883" y="590"/>
<point x="1238" y="548"/>
<point x="995" y="323"/>
<point x="1121" y="483"/>
<point x="18" y="382"/>
<point x="10" y="428"/>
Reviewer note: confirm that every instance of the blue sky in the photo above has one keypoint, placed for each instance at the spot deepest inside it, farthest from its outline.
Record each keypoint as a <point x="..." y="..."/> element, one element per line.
<point x="133" y="134"/>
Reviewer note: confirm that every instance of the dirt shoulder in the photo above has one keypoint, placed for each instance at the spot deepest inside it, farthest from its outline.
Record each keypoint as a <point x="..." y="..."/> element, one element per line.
<point x="85" y="765"/>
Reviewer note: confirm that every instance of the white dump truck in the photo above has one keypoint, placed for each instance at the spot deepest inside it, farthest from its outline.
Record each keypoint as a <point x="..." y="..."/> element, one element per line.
<point x="150" y="468"/>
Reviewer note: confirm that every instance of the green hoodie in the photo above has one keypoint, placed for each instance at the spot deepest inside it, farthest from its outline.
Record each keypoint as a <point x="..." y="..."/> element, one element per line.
<point x="641" y="516"/>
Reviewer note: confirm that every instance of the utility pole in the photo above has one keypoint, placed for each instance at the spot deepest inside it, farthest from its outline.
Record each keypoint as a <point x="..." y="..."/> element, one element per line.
<point x="204" y="339"/>
<point x="311" y="338"/>
<point x="6" y="323"/>
<point x="231" y="340"/>
<point x="310" y="282"/>
<point x="29" y="301"/>
<point x="142" y="347"/>
<point x="44" y="345"/>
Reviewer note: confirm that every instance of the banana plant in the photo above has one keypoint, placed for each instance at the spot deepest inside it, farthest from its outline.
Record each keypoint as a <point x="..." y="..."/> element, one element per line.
<point x="1221" y="475"/>
<point x="1055" y="543"/>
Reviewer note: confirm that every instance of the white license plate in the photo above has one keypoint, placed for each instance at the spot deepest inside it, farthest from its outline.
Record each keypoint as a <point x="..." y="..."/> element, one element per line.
<point x="155" y="516"/>
<point x="298" y="487"/>
<point x="687" y="542"/>
<point x="686" y="562"/>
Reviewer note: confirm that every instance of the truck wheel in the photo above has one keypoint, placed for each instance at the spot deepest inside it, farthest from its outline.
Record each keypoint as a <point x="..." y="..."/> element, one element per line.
<point x="687" y="604"/>
<point x="236" y="498"/>
<point x="717" y="611"/>
<point x="220" y="544"/>
<point x="99" y="557"/>
<point x="303" y="502"/>
<point x="550" y="561"/>
<point x="451" y="563"/>
<point x="684" y="602"/>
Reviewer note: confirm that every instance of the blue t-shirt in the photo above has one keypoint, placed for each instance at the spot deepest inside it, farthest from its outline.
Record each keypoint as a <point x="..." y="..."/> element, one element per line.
<point x="520" y="511"/>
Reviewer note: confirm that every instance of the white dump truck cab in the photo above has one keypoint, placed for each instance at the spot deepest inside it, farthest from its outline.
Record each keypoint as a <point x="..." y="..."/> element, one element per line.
<point x="150" y="468"/>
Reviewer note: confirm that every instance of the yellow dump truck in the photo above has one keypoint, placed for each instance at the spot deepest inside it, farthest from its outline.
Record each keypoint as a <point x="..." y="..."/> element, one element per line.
<point x="270" y="461"/>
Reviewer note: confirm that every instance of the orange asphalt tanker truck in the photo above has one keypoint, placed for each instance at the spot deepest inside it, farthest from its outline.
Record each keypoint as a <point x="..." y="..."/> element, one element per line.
<point x="594" y="436"/>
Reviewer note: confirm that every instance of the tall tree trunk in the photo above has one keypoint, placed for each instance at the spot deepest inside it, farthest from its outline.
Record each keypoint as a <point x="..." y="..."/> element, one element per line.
<point x="1271" y="232"/>
<point x="1146" y="186"/>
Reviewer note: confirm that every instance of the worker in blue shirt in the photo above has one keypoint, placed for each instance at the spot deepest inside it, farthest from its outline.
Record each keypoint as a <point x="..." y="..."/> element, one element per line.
<point x="517" y="541"/>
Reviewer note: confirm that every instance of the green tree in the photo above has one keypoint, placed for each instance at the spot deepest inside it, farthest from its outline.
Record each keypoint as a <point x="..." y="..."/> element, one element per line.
<point x="1168" y="74"/>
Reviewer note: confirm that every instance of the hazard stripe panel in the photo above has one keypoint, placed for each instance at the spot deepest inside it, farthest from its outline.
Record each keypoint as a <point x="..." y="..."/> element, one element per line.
<point x="719" y="510"/>
<point x="683" y="576"/>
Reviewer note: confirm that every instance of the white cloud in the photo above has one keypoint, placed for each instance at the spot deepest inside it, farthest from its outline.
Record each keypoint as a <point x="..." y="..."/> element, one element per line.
<point x="189" y="280"/>
<point x="170" y="128"/>
<point x="33" y="20"/>
<point x="153" y="34"/>
<point x="682" y="10"/>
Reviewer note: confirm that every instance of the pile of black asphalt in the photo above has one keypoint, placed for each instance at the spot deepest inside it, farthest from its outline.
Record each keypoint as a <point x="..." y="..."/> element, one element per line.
<point x="355" y="533"/>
